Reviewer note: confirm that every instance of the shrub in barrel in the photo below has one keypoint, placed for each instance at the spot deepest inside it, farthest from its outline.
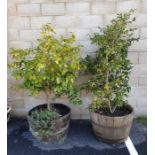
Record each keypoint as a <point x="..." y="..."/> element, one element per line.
<point x="111" y="115"/>
<point x="51" y="67"/>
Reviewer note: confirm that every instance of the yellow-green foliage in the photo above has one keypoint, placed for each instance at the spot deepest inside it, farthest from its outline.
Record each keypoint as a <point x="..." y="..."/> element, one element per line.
<point x="53" y="66"/>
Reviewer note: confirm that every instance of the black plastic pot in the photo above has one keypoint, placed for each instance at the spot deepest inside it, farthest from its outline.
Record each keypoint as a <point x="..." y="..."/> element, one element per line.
<point x="61" y="124"/>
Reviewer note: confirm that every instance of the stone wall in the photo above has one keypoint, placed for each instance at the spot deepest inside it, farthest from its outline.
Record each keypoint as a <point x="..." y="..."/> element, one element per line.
<point x="25" y="18"/>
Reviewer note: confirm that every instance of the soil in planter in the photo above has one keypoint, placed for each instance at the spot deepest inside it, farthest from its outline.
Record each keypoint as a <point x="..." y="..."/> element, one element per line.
<point x="120" y="111"/>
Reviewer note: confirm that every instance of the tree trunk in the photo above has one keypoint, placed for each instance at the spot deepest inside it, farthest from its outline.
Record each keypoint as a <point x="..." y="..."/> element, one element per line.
<point x="112" y="109"/>
<point x="48" y="99"/>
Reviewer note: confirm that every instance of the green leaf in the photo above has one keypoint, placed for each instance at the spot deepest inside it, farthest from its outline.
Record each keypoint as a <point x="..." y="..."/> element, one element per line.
<point x="51" y="66"/>
<point x="110" y="67"/>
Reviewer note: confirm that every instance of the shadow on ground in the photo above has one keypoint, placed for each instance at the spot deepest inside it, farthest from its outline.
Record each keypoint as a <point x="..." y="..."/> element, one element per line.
<point x="80" y="141"/>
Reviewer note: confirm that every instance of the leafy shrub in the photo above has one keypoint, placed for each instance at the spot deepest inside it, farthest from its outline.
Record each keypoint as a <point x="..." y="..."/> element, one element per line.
<point x="43" y="121"/>
<point x="111" y="67"/>
<point x="52" y="66"/>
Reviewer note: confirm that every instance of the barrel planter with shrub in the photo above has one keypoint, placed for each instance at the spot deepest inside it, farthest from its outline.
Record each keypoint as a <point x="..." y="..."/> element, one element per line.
<point x="51" y="67"/>
<point x="110" y="113"/>
<point x="114" y="129"/>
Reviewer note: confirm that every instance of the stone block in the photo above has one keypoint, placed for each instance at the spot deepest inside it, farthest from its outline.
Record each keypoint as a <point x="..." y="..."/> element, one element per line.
<point x="133" y="56"/>
<point x="108" y="18"/>
<point x="14" y="93"/>
<point x="138" y="92"/>
<point x="142" y="81"/>
<point x="81" y="34"/>
<point x="132" y="101"/>
<point x="29" y="35"/>
<point x="75" y="112"/>
<point x="18" y="22"/>
<point x="139" y="70"/>
<point x="90" y="21"/>
<point x="60" y="32"/>
<point x="143" y="58"/>
<point x="136" y="33"/>
<point x="124" y="6"/>
<point x="85" y="113"/>
<point x="140" y="46"/>
<point x="87" y="100"/>
<point x="28" y="9"/>
<point x="77" y="8"/>
<point x="16" y="103"/>
<point x="19" y="113"/>
<point x="53" y="9"/>
<point x="40" y="1"/>
<point x="141" y="20"/>
<point x="19" y="1"/>
<point x="143" y="33"/>
<point x="11" y="9"/>
<point x="144" y="6"/>
<point x="141" y="102"/>
<point x="100" y="8"/>
<point x="59" y="1"/>
<point x="88" y="47"/>
<point x="78" y="21"/>
<point x="140" y="111"/>
<point x="38" y="22"/>
<point x="31" y="102"/>
<point x="13" y="34"/>
<point x="19" y="44"/>
<point x="133" y="81"/>
<point x="70" y="21"/>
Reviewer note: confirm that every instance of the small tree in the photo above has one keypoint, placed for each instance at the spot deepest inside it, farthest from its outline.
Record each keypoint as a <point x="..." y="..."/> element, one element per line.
<point x="111" y="66"/>
<point x="52" y="66"/>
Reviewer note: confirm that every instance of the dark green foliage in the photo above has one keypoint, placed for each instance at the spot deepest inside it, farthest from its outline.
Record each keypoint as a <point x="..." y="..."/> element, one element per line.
<point x="43" y="122"/>
<point x="111" y="67"/>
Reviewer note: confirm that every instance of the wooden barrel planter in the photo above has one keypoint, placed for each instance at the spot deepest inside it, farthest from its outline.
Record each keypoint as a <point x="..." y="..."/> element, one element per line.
<point x="60" y="127"/>
<point x="112" y="130"/>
